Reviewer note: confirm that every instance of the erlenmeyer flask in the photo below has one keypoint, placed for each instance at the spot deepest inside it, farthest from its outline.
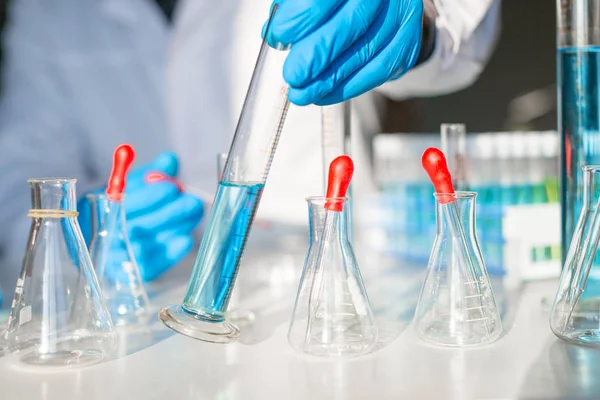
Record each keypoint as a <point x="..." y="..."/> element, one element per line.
<point x="332" y="315"/>
<point x="114" y="263"/>
<point x="576" y="310"/>
<point x="48" y="325"/>
<point x="456" y="306"/>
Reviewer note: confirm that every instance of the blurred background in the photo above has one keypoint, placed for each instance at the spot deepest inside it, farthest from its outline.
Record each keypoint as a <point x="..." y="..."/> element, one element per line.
<point x="522" y="68"/>
<point x="516" y="93"/>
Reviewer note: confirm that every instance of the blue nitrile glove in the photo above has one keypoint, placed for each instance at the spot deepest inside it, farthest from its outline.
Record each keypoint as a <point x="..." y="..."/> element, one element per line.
<point x="344" y="48"/>
<point x="160" y="218"/>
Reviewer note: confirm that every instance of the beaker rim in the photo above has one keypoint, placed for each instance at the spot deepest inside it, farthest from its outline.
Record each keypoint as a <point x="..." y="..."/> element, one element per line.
<point x="52" y="180"/>
<point x="459" y="194"/>
<point x="313" y="199"/>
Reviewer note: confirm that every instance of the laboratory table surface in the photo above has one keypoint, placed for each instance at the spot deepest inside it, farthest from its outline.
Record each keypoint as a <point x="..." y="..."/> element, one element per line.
<point x="527" y="362"/>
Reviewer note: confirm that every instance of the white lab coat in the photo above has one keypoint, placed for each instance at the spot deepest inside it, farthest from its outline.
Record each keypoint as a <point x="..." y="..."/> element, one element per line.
<point x="82" y="76"/>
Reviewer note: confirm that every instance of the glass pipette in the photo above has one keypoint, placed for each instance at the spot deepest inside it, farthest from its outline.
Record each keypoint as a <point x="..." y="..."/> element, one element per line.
<point x="454" y="145"/>
<point x="336" y="137"/>
<point x="335" y="131"/>
<point x="202" y="314"/>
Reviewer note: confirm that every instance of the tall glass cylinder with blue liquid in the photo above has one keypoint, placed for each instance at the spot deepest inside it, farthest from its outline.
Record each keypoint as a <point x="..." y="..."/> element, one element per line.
<point x="578" y="76"/>
<point x="202" y="314"/>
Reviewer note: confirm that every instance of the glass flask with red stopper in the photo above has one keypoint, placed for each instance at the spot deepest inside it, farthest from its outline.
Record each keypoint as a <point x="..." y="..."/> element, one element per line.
<point x="456" y="306"/>
<point x="332" y="316"/>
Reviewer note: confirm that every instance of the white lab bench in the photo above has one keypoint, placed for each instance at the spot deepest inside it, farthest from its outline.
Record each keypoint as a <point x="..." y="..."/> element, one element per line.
<point x="528" y="362"/>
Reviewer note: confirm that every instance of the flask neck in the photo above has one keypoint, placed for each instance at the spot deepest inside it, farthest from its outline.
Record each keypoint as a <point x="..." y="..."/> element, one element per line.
<point x="464" y="204"/>
<point x="105" y="212"/>
<point x="591" y="185"/>
<point x="53" y="196"/>
<point x="316" y="219"/>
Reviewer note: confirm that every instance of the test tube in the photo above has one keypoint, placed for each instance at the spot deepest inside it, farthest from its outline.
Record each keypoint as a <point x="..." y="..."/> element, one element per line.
<point x="202" y="314"/>
<point x="454" y="146"/>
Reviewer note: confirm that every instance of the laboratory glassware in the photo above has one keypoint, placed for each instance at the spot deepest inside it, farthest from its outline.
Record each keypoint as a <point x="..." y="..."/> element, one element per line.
<point x="237" y="315"/>
<point x="58" y="317"/>
<point x="112" y="256"/>
<point x="202" y="314"/>
<point x="456" y="306"/>
<point x="336" y="130"/>
<point x="454" y="145"/>
<point x="578" y="60"/>
<point x="332" y="316"/>
<point x="576" y="310"/>
<point x="336" y="133"/>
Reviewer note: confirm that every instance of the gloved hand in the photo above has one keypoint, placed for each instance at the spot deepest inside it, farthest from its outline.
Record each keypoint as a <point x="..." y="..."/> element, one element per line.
<point x="344" y="48"/>
<point x="160" y="218"/>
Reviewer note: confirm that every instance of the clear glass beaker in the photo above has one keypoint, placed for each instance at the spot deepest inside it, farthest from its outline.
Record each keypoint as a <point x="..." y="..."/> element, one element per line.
<point x="332" y="316"/>
<point x="202" y="314"/>
<point x="578" y="60"/>
<point x="575" y="314"/>
<point x="456" y="306"/>
<point x="114" y="262"/>
<point x="58" y="316"/>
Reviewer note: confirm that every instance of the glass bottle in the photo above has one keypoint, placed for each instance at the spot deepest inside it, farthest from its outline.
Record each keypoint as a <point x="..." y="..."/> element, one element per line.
<point x="456" y="306"/>
<point x="58" y="316"/>
<point x="576" y="310"/>
<point x="115" y="264"/>
<point x="332" y="315"/>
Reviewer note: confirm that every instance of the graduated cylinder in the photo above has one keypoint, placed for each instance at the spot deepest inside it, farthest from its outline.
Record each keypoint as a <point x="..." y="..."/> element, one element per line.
<point x="578" y="63"/>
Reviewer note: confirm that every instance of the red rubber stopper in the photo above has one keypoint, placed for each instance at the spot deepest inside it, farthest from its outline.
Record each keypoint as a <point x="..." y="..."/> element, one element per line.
<point x="340" y="174"/>
<point x="434" y="162"/>
<point x="156" y="176"/>
<point x="122" y="159"/>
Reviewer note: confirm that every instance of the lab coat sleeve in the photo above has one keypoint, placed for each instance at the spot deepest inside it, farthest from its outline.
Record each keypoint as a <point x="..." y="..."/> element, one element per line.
<point x="38" y="137"/>
<point x="467" y="32"/>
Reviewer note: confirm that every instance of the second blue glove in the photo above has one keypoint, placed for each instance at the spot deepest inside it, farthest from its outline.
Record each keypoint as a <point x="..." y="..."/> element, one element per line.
<point x="160" y="219"/>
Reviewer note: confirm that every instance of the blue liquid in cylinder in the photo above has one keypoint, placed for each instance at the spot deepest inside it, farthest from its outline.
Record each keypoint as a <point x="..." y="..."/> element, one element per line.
<point x="579" y="125"/>
<point x="221" y="249"/>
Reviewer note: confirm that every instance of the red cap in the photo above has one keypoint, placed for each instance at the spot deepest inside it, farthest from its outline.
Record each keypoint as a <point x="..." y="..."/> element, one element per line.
<point x="434" y="162"/>
<point x="340" y="174"/>
<point x="122" y="159"/>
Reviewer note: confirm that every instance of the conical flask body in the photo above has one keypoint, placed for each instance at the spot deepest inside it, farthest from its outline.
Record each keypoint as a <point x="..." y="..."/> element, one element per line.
<point x="456" y="306"/>
<point x="115" y="264"/>
<point x="332" y="315"/>
<point x="58" y="317"/>
<point x="575" y="314"/>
